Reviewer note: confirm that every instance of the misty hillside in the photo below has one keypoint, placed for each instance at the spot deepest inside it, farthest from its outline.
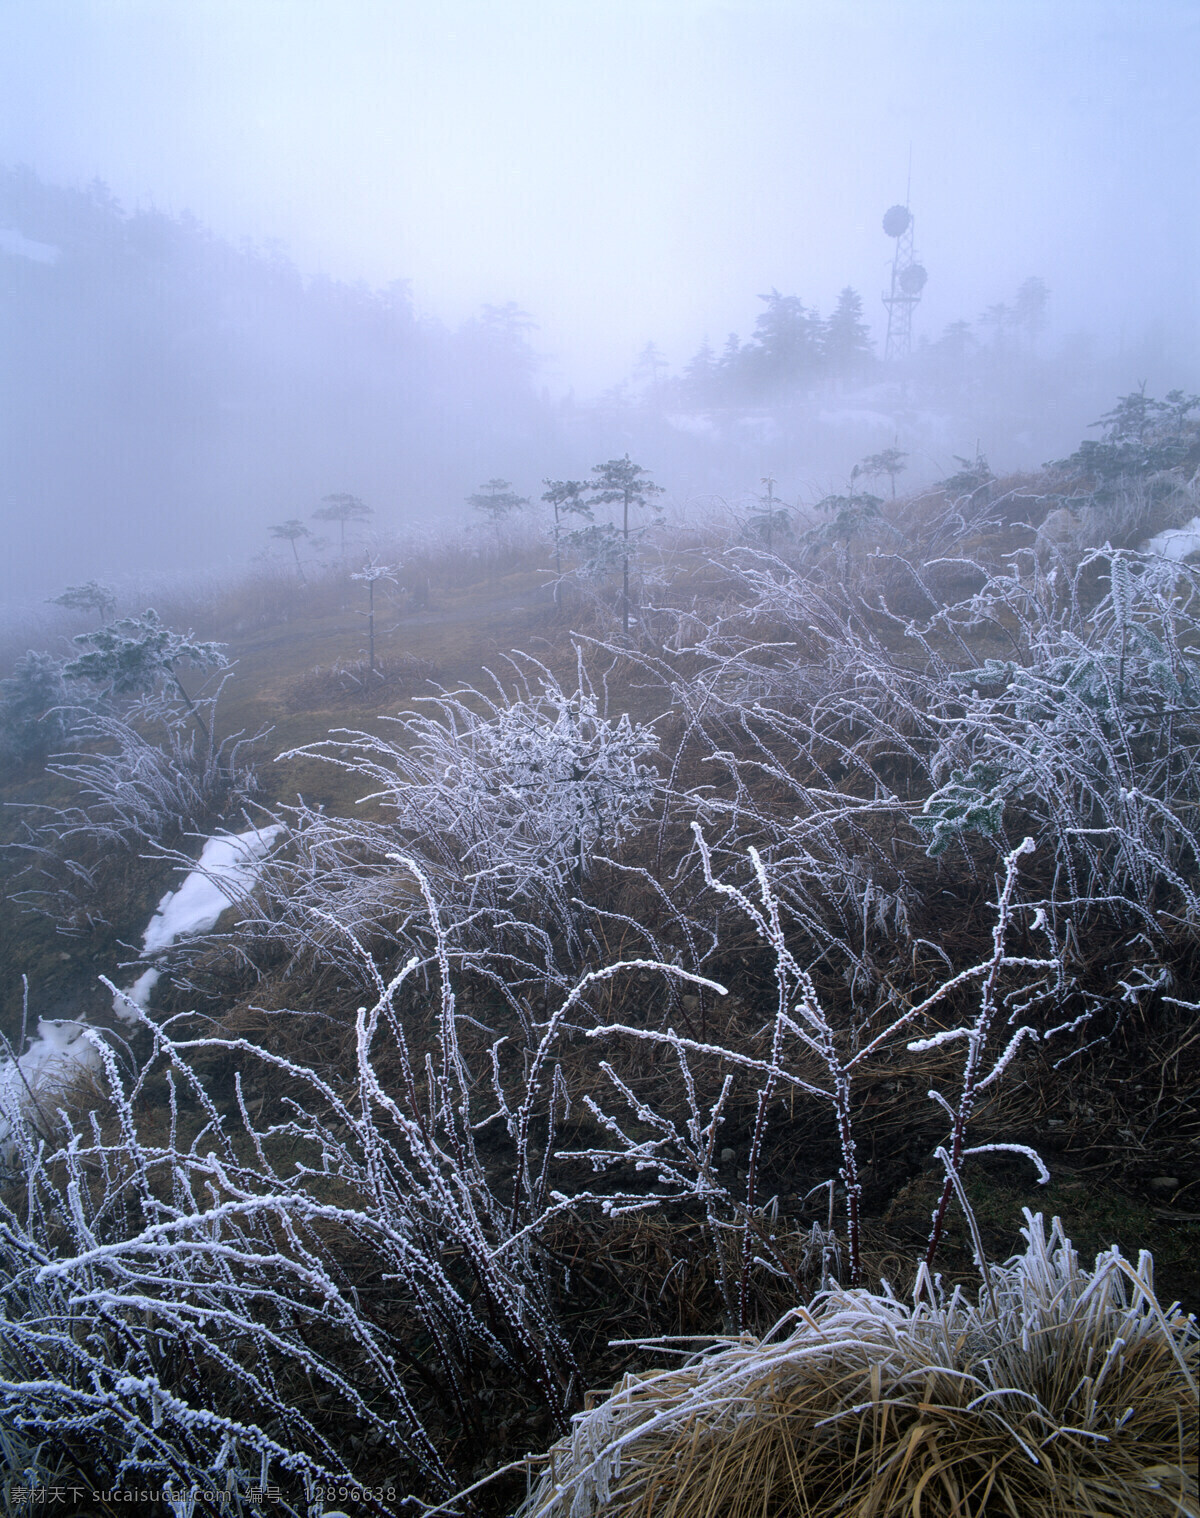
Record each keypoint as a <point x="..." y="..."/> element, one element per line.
<point x="520" y="960"/>
<point x="170" y="393"/>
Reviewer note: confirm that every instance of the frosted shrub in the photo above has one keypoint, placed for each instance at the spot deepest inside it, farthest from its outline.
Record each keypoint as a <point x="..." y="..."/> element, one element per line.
<point x="142" y="778"/>
<point x="504" y="798"/>
<point x="33" y="700"/>
<point x="1092" y="731"/>
<point x="159" y="1300"/>
<point x="812" y="1055"/>
<point x="150" y="774"/>
<point x="843" y="739"/>
<point x="180" y="1280"/>
<point x="806" y="735"/>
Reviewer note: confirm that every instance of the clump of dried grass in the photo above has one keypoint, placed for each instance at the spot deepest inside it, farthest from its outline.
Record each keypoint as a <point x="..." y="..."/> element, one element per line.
<point x="1060" y="1392"/>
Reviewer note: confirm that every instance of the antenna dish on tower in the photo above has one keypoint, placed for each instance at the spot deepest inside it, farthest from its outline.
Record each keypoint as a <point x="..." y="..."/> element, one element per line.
<point x="897" y="220"/>
<point x="912" y="280"/>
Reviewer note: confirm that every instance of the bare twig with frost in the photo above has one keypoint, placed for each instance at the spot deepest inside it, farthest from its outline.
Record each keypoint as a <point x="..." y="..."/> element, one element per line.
<point x="975" y="1034"/>
<point x="804" y="1036"/>
<point x="164" y="1290"/>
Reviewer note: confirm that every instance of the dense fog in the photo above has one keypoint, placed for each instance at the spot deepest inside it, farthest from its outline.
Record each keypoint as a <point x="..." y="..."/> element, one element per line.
<point x="254" y="256"/>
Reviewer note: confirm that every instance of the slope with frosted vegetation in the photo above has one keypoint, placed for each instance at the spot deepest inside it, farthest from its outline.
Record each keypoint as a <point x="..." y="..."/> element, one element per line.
<point x="729" y="983"/>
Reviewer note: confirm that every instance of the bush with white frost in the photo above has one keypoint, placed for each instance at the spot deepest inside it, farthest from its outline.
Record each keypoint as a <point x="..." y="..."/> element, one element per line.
<point x="810" y="1056"/>
<point x="505" y="798"/>
<point x="33" y="708"/>
<point x="176" y="1275"/>
<point x="142" y="779"/>
<point x="1090" y="732"/>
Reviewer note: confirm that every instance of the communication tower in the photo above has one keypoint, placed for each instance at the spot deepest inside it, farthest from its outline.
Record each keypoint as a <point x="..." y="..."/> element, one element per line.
<point x="908" y="281"/>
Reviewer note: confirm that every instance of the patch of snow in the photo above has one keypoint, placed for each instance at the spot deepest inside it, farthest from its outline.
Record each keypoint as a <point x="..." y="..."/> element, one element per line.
<point x="762" y="426"/>
<point x="854" y="417"/>
<point x="225" y="873"/>
<point x="698" y="424"/>
<point x="12" y="241"/>
<point x="36" y="1082"/>
<point x="139" y="992"/>
<point x="1175" y="542"/>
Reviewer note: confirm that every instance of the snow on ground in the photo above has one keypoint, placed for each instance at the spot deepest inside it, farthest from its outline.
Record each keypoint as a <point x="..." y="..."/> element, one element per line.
<point x="16" y="243"/>
<point x="852" y="416"/>
<point x="225" y="873"/>
<point x="1175" y="542"/>
<point x="37" y="1083"/>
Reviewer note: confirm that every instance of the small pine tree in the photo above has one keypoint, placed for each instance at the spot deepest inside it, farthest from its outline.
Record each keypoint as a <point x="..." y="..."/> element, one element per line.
<point x="769" y="517"/>
<point x="846" y="338"/>
<point x="973" y="475"/>
<point x="889" y="462"/>
<point x="291" y="531"/>
<point x="342" y="509"/>
<point x="624" y="483"/>
<point x="370" y="575"/>
<point x="1143" y="437"/>
<point x="849" y="514"/>
<point x="565" y="498"/>
<point x="91" y="596"/>
<point x="496" y="501"/>
<point x="137" y="654"/>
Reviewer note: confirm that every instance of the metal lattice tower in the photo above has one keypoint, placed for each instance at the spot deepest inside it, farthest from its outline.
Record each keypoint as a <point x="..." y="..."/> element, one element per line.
<point x="908" y="281"/>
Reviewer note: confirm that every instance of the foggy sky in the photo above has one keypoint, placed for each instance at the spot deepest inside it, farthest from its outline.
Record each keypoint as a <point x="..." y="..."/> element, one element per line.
<point x="641" y="169"/>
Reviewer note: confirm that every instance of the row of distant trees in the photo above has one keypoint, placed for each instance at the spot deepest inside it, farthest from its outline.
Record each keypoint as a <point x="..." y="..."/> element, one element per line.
<point x="340" y="508"/>
<point x="593" y="550"/>
<point x="596" y="549"/>
<point x="794" y="348"/>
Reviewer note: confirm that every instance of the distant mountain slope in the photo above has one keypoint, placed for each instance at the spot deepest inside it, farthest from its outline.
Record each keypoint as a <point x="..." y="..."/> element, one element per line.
<point x="166" y="394"/>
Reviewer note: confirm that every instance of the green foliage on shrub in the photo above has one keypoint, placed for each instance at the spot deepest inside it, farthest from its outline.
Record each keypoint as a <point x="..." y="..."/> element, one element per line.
<point x="972" y="800"/>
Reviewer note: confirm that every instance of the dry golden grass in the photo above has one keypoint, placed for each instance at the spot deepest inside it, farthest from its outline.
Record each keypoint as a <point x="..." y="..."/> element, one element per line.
<point x="1060" y="1393"/>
